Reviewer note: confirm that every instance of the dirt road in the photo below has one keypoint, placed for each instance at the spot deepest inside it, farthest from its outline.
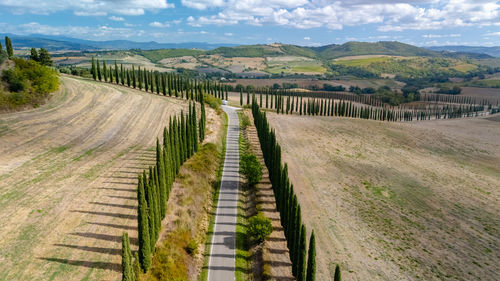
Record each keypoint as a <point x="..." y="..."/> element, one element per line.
<point x="68" y="173"/>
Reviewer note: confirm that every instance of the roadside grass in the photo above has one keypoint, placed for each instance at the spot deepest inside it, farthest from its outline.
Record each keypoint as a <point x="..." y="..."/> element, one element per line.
<point x="178" y="248"/>
<point x="243" y="259"/>
<point x="215" y="198"/>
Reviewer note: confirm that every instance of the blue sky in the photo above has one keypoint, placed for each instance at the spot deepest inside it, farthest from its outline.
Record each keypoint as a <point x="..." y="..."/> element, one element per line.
<point x="302" y="22"/>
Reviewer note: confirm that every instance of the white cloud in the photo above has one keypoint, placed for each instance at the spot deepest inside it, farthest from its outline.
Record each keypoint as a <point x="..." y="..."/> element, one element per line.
<point x="86" y="7"/>
<point x="390" y="16"/>
<point x="114" y="18"/>
<point x="228" y="34"/>
<point x="307" y="38"/>
<point x="102" y="32"/>
<point x="442" y="35"/>
<point x="492" y="34"/>
<point x="159" y="24"/>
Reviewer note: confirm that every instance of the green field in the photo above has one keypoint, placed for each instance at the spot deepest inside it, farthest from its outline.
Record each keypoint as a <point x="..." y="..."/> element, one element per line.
<point x="295" y="67"/>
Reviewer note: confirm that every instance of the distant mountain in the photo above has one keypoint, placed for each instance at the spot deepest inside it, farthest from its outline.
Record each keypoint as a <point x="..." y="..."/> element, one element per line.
<point x="58" y="43"/>
<point x="492" y="51"/>
<point x="328" y="52"/>
<point x="392" y="48"/>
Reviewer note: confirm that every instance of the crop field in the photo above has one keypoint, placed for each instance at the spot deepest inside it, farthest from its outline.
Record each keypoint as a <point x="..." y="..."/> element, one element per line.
<point x="362" y="60"/>
<point x="290" y="65"/>
<point x="68" y="175"/>
<point x="397" y="201"/>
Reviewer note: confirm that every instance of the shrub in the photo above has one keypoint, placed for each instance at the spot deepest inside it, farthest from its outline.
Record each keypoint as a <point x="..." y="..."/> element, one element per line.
<point x="191" y="247"/>
<point x="259" y="227"/>
<point x="251" y="168"/>
<point x="245" y="121"/>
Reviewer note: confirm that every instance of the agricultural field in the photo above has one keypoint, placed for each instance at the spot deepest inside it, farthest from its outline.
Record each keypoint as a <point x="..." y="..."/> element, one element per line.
<point x="68" y="179"/>
<point x="397" y="201"/>
<point x="294" y="64"/>
<point x="407" y="66"/>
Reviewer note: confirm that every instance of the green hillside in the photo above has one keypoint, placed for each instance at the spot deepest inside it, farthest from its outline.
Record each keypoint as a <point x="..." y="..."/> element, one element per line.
<point x="247" y="51"/>
<point x="367" y="48"/>
<point x="158" y="55"/>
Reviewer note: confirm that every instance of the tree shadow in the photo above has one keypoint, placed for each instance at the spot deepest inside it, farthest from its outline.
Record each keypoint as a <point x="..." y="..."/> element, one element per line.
<point x="105" y="237"/>
<point x="111" y="251"/>
<point x="122" y="197"/>
<point x="115" y="205"/>
<point x="99" y="265"/>
<point x="115" y="215"/>
<point x="119" y="226"/>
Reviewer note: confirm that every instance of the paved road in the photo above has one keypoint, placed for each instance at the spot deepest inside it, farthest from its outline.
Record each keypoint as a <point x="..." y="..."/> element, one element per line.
<point x="221" y="264"/>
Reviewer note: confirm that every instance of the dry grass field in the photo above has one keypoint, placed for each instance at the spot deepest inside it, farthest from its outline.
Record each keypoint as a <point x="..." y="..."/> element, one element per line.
<point x="68" y="173"/>
<point x="398" y="201"/>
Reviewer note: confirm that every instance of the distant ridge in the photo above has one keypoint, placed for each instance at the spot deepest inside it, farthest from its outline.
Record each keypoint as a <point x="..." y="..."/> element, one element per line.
<point x="327" y="52"/>
<point x="492" y="51"/>
<point x="58" y="43"/>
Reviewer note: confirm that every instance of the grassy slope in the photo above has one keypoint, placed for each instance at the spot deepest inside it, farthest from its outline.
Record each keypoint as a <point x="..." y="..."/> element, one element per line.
<point x="397" y="201"/>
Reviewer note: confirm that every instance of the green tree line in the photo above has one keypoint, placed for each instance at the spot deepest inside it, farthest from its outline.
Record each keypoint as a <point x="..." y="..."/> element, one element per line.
<point x="303" y="264"/>
<point x="180" y="142"/>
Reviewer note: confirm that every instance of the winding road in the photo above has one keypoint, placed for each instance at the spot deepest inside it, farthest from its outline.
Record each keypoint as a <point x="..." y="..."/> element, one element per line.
<point x="221" y="264"/>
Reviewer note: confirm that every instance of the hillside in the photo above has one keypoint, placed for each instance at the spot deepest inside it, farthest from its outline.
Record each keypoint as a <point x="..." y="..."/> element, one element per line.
<point x="69" y="176"/>
<point x="365" y="48"/>
<point x="492" y="51"/>
<point x="397" y="201"/>
<point x="25" y="83"/>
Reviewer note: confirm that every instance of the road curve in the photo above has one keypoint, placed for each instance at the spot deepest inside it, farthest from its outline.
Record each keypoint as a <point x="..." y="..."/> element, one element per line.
<point x="221" y="263"/>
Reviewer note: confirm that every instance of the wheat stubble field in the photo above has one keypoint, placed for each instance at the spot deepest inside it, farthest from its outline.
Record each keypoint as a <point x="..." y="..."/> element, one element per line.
<point x="398" y="201"/>
<point x="68" y="174"/>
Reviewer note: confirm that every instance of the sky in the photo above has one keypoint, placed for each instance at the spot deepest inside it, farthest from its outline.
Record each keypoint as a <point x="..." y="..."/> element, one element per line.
<point x="300" y="22"/>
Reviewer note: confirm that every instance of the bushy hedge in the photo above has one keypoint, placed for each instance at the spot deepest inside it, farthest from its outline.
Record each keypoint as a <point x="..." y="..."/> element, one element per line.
<point x="27" y="83"/>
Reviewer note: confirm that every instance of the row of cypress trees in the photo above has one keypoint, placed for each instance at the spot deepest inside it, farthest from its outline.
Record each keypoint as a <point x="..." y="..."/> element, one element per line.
<point x="303" y="266"/>
<point x="180" y="142"/>
<point x="346" y="106"/>
<point x="329" y="107"/>
<point x="166" y="84"/>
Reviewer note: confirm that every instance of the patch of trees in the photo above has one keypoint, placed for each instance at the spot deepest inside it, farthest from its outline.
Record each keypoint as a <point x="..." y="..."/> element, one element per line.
<point x="328" y="87"/>
<point x="42" y="56"/>
<point x="450" y="91"/>
<point x="180" y="142"/>
<point x="27" y="83"/>
<point x="303" y="265"/>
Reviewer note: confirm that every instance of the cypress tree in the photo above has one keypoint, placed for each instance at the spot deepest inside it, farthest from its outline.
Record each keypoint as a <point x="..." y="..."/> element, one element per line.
<point x="117" y="77"/>
<point x="311" y="259"/>
<point x="151" y="210"/>
<point x="8" y="47"/>
<point x="143" y="227"/>
<point x="301" y="259"/>
<point x="139" y="77"/>
<point x="1" y="49"/>
<point x="160" y="165"/>
<point x="128" y="78"/>
<point x="136" y="267"/>
<point x="99" y="75"/>
<point x="104" y="71"/>
<point x="127" y="274"/>
<point x="248" y="97"/>
<point x="110" y="71"/>
<point x="133" y="77"/>
<point x="33" y="54"/>
<point x="93" y="70"/>
<point x="122" y="74"/>
<point x="337" y="276"/>
<point x="241" y="97"/>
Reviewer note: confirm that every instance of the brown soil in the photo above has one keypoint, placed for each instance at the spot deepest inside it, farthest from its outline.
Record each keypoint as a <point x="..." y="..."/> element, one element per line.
<point x="275" y="255"/>
<point x="397" y="201"/>
<point x="68" y="179"/>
